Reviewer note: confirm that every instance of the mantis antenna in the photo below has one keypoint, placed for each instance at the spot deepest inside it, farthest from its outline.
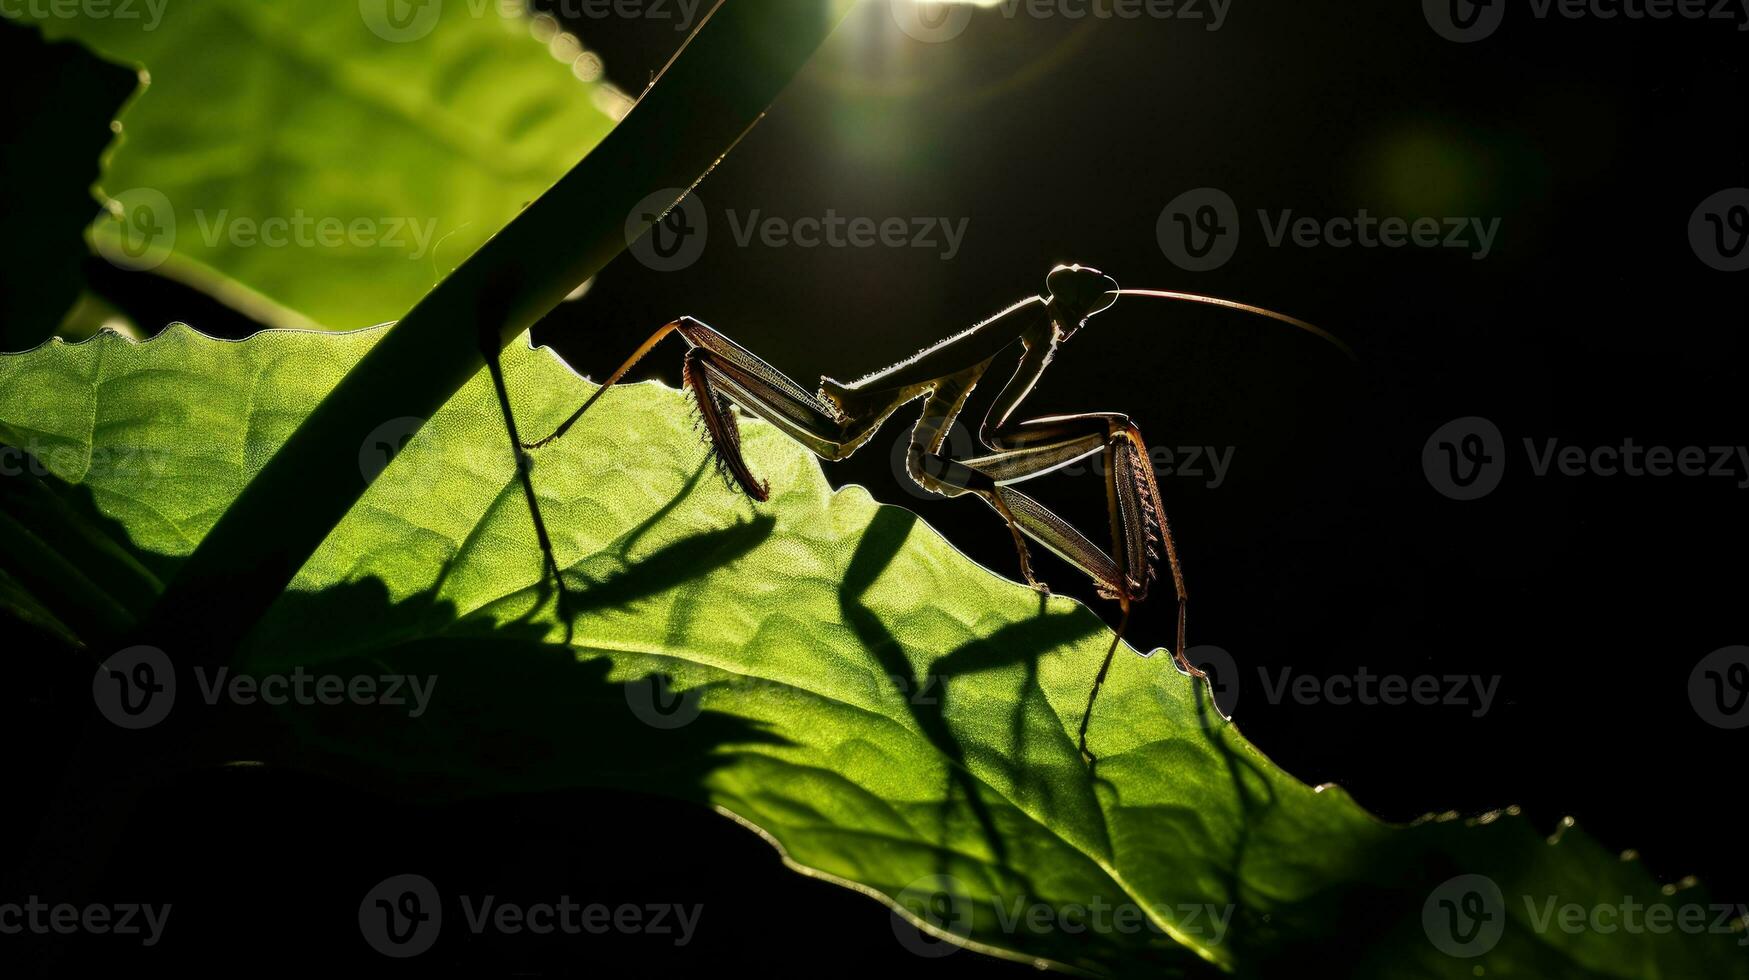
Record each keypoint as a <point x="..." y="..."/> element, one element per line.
<point x="1318" y="332"/>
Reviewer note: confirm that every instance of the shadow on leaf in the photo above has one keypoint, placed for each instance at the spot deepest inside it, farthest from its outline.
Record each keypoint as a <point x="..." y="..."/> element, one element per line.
<point x="1021" y="643"/>
<point x="493" y="708"/>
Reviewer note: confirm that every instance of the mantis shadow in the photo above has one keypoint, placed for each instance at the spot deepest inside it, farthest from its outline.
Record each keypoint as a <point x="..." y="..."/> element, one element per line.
<point x="1015" y="643"/>
<point x="580" y="588"/>
<point x="554" y="720"/>
<point x="664" y="569"/>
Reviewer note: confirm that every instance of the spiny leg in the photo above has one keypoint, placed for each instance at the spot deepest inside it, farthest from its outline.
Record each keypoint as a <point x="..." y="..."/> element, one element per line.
<point x="1031" y="449"/>
<point x="1037" y="447"/>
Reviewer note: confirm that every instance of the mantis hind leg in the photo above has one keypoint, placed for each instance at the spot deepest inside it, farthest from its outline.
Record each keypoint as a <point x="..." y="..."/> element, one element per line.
<point x="720" y="373"/>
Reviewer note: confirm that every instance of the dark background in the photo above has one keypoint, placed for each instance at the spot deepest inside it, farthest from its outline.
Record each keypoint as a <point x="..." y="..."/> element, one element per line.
<point x="1326" y="549"/>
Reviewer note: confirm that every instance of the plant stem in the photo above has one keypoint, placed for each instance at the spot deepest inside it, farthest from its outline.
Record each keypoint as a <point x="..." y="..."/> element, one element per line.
<point x="705" y="100"/>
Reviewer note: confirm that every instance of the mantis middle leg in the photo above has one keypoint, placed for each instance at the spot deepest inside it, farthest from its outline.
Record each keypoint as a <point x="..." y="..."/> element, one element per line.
<point x="1033" y="448"/>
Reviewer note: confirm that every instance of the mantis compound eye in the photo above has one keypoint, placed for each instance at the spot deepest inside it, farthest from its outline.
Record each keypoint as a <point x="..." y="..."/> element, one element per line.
<point x="1077" y="292"/>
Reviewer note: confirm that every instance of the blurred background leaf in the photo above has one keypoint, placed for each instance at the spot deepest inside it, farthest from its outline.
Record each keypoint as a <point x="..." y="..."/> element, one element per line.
<point x="56" y="103"/>
<point x="333" y="159"/>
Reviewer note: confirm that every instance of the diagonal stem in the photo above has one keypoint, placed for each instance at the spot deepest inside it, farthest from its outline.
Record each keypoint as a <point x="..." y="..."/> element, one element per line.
<point x="701" y="105"/>
<point x="706" y="99"/>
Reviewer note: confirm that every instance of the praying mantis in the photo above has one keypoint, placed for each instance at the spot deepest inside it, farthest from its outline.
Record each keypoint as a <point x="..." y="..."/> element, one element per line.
<point x="842" y="417"/>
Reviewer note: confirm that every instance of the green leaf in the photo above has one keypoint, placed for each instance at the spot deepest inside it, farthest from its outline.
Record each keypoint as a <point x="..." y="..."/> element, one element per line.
<point x="56" y="109"/>
<point x="892" y="716"/>
<point x="335" y="160"/>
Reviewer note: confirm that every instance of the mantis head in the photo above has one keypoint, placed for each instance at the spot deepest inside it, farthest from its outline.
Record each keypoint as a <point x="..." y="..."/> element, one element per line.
<point x="1076" y="292"/>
